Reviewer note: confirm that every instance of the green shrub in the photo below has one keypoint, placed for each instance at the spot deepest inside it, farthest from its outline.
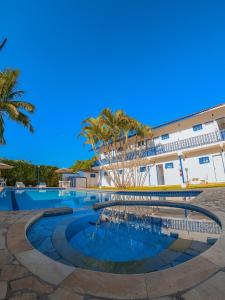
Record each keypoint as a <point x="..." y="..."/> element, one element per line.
<point x="28" y="173"/>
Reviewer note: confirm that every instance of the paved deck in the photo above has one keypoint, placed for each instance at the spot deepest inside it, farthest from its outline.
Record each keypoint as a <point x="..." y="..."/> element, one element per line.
<point x="26" y="273"/>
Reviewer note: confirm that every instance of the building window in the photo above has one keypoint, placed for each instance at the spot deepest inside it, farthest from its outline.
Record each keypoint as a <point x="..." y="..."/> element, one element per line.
<point x="142" y="169"/>
<point x="165" y="136"/>
<point x="120" y="172"/>
<point x="141" y="143"/>
<point x="169" y="165"/>
<point x="203" y="160"/>
<point x="197" y="127"/>
<point x="93" y="175"/>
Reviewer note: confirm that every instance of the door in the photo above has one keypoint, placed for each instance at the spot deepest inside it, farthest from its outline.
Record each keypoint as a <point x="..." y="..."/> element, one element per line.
<point x="218" y="167"/>
<point x="81" y="182"/>
<point x="160" y="175"/>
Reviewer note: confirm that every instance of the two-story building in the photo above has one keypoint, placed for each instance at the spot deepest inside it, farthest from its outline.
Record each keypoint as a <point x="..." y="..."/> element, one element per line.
<point x="187" y="150"/>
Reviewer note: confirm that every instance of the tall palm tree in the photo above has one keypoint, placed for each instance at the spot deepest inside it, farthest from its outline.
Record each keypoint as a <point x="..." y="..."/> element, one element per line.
<point x="109" y="134"/>
<point x="12" y="104"/>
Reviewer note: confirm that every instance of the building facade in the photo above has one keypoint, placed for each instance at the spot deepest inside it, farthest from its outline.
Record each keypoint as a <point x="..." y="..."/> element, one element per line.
<point x="82" y="179"/>
<point x="189" y="150"/>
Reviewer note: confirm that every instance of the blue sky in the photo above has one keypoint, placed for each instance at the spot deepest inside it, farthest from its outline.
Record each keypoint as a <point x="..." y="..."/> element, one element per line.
<point x="157" y="60"/>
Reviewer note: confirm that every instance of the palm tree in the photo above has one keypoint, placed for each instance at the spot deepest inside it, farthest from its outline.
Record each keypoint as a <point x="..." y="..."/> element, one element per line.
<point x="109" y="134"/>
<point x="12" y="104"/>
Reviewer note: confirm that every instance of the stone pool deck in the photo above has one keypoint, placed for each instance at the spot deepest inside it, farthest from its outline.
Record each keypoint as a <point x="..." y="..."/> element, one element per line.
<point x="25" y="273"/>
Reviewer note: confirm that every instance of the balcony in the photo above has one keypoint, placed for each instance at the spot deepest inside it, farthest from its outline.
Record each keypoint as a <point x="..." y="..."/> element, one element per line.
<point x="196" y="141"/>
<point x="200" y="140"/>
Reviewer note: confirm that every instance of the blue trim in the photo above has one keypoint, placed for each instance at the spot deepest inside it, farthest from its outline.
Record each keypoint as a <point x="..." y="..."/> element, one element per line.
<point x="181" y="167"/>
<point x="160" y="193"/>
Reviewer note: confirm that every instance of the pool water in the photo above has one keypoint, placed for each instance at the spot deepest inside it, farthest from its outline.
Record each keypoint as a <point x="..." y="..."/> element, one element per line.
<point x="29" y="199"/>
<point x="120" y="242"/>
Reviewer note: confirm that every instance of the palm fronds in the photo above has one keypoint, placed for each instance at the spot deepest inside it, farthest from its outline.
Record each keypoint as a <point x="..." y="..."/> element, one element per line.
<point x="11" y="104"/>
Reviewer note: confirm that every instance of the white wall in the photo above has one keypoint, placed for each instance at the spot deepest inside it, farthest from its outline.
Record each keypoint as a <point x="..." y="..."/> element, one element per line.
<point x="172" y="176"/>
<point x="201" y="171"/>
<point x="91" y="181"/>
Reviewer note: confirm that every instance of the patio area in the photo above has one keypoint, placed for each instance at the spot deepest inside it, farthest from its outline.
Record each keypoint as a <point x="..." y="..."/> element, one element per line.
<point x="28" y="274"/>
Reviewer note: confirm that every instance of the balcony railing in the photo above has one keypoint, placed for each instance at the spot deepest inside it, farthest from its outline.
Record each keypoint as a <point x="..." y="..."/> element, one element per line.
<point x="196" y="141"/>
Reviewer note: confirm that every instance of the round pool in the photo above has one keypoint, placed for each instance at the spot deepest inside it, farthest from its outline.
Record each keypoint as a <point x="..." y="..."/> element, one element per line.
<point x="131" y="238"/>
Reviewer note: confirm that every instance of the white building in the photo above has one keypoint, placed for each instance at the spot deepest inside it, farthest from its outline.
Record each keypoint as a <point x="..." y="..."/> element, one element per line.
<point x="81" y="179"/>
<point x="186" y="150"/>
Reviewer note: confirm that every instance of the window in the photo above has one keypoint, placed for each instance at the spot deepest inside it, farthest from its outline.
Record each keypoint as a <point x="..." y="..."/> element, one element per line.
<point x="142" y="169"/>
<point x="169" y="165"/>
<point x="197" y="127"/>
<point x="141" y="143"/>
<point x="203" y="160"/>
<point x="92" y="175"/>
<point x="165" y="136"/>
<point x="120" y="172"/>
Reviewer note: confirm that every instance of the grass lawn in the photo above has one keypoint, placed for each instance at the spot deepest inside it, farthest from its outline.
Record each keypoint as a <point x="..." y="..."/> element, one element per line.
<point x="164" y="188"/>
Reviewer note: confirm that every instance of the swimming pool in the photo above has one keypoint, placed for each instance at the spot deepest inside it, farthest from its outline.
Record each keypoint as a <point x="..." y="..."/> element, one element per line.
<point x="29" y="199"/>
<point x="135" y="237"/>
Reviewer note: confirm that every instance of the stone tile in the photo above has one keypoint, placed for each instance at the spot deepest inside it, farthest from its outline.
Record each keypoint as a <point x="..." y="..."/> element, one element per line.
<point x="3" y="289"/>
<point x="2" y="219"/>
<point x="61" y="293"/>
<point x="16" y="239"/>
<point x="2" y="238"/>
<point x="168" y="256"/>
<point x="10" y="272"/>
<point x="2" y="242"/>
<point x="199" y="246"/>
<point x="179" y="278"/>
<point x="15" y="262"/>
<point x="44" y="267"/>
<point x="5" y="257"/>
<point x="106" y="285"/>
<point x="31" y="283"/>
<point x="213" y="288"/>
<point x="216" y="253"/>
<point x="167" y="298"/>
<point x="24" y="296"/>
<point x="58" y="211"/>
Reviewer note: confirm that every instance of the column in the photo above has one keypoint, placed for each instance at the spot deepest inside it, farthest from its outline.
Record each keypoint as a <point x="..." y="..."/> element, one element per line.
<point x="180" y="156"/>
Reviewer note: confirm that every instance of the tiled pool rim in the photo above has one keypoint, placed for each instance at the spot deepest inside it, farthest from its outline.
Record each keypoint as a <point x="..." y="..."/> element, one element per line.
<point x="116" y="286"/>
